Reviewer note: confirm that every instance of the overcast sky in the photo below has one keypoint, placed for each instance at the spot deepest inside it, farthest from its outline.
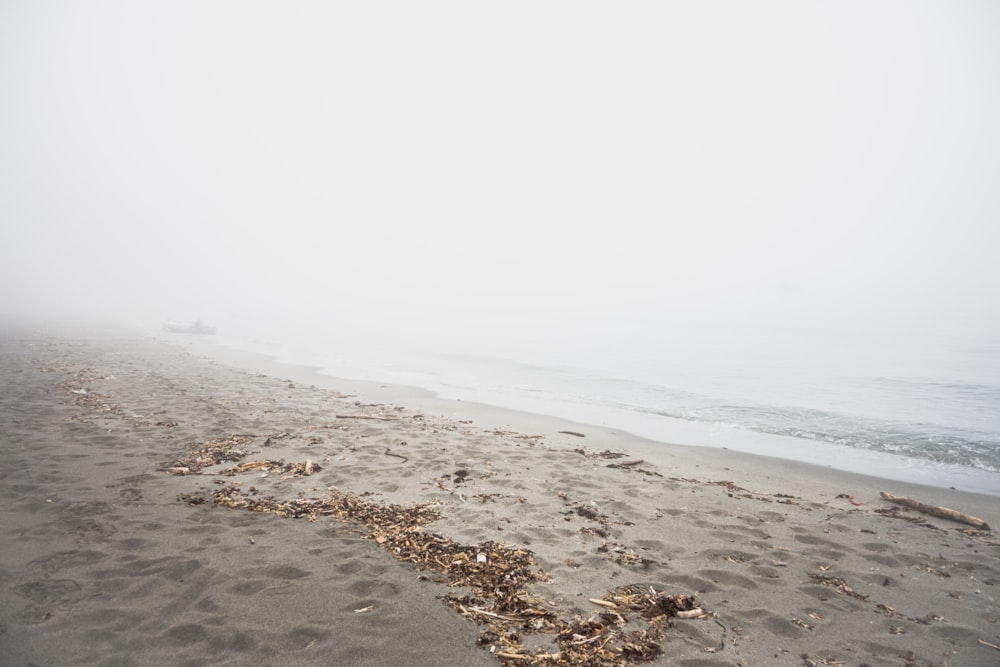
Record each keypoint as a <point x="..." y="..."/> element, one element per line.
<point x="828" y="164"/>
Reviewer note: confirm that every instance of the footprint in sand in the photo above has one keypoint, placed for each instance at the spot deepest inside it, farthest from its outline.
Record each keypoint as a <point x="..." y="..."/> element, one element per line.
<point x="55" y="591"/>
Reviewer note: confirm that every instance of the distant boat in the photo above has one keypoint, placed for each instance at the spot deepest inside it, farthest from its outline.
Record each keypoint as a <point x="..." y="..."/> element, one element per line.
<point x="196" y="327"/>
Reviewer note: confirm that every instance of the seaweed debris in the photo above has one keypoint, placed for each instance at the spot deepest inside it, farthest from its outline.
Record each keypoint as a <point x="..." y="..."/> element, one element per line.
<point x="491" y="581"/>
<point x="839" y="584"/>
<point x="496" y="580"/>
<point x="98" y="402"/>
<point x="213" y="452"/>
<point x="303" y="469"/>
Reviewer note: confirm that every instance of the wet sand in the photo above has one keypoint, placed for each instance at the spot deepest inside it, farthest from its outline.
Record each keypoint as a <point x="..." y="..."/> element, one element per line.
<point x="106" y="561"/>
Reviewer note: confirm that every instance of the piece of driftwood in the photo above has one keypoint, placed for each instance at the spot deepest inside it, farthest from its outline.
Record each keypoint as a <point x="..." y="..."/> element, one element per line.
<point x="604" y="603"/>
<point x="936" y="510"/>
<point x="375" y="417"/>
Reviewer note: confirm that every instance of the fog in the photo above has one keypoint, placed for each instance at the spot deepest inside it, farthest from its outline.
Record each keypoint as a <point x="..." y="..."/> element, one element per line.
<point x="454" y="169"/>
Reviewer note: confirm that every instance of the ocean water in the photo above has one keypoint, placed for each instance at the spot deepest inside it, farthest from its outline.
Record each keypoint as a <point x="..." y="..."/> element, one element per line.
<point x="902" y="406"/>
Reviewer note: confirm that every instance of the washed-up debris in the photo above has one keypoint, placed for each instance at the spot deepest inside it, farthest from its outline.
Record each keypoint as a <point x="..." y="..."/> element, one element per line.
<point x="734" y="490"/>
<point x="291" y="469"/>
<point x="497" y="578"/>
<point x="628" y="557"/>
<point x="606" y="454"/>
<point x="99" y="403"/>
<point x="388" y="452"/>
<point x="604" y="639"/>
<point x="588" y="512"/>
<point x="78" y="378"/>
<point x="934" y="571"/>
<point x="212" y="452"/>
<point x="886" y="610"/>
<point x="343" y="506"/>
<point x="839" y="584"/>
<point x="635" y="466"/>
<point x="192" y="499"/>
<point x="653" y="605"/>
<point x="597" y="531"/>
<point x="373" y="417"/>
<point x="896" y="513"/>
<point x="936" y="510"/>
<point x="927" y="619"/>
<point x="830" y="662"/>
<point x="85" y="397"/>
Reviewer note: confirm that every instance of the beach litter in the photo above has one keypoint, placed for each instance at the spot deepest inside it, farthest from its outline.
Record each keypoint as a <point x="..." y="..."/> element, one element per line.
<point x="303" y="469"/>
<point x="936" y="510"/>
<point x="849" y="498"/>
<point x="494" y="580"/>
<point x="213" y="452"/>
<point x="635" y="466"/>
<point x="839" y="584"/>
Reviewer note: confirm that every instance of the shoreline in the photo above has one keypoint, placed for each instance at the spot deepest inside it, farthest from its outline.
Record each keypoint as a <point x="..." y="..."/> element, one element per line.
<point x="111" y="558"/>
<point x="893" y="470"/>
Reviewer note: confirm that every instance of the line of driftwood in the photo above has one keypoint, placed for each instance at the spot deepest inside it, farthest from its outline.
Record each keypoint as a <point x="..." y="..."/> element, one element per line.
<point x="936" y="510"/>
<point x="491" y="582"/>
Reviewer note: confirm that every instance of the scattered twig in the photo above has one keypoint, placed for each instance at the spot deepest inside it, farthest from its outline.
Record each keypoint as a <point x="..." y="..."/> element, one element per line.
<point x="839" y="584"/>
<point x="375" y="417"/>
<point x="388" y="452"/>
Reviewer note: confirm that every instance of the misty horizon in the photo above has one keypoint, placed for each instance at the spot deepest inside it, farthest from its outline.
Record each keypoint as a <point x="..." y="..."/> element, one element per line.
<point x="447" y="170"/>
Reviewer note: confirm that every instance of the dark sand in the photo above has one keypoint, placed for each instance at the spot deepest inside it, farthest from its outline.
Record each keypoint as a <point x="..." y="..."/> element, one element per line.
<point x="101" y="564"/>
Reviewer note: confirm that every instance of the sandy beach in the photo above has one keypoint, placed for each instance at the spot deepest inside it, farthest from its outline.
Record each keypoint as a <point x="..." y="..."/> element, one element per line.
<point x="164" y="507"/>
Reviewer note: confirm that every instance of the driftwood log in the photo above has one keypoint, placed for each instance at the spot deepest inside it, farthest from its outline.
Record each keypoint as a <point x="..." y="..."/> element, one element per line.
<point x="936" y="510"/>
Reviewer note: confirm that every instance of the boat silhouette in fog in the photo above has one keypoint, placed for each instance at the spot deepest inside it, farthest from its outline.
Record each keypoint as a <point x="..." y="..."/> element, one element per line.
<point x="196" y="327"/>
